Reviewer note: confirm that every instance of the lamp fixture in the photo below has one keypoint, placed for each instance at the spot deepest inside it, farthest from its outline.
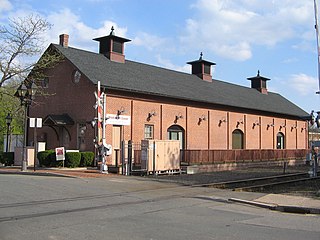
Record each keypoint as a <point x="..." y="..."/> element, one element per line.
<point x="222" y="120"/>
<point x="8" y="122"/>
<point x="256" y="123"/>
<point x="120" y="112"/>
<point x="239" y="122"/>
<point x="270" y="125"/>
<point x="282" y="126"/>
<point x="179" y="116"/>
<point x="151" y="114"/>
<point x="202" y="118"/>
<point x="25" y="92"/>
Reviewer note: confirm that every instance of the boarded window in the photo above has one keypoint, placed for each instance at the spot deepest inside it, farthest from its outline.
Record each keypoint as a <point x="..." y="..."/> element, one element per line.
<point x="237" y="139"/>
<point x="196" y="68"/>
<point x="45" y="82"/>
<point x="207" y="69"/>
<point x="104" y="47"/>
<point x="117" y="47"/>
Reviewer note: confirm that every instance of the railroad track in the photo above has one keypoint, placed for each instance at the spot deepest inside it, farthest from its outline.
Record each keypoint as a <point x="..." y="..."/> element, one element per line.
<point x="262" y="183"/>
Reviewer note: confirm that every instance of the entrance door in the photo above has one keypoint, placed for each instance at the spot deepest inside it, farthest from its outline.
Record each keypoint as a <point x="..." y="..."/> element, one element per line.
<point x="176" y="132"/>
<point x="280" y="141"/>
<point x="64" y="137"/>
<point x="116" y="143"/>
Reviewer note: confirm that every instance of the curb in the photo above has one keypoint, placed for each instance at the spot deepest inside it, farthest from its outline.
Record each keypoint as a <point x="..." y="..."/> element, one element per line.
<point x="50" y="174"/>
<point x="280" y="208"/>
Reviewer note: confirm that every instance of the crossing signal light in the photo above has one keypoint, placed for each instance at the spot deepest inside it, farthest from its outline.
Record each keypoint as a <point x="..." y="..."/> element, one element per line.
<point x="318" y="120"/>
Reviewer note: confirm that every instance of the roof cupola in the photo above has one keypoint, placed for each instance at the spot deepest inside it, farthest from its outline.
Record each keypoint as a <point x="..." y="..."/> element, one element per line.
<point x="202" y="68"/>
<point x="112" y="46"/>
<point x="260" y="83"/>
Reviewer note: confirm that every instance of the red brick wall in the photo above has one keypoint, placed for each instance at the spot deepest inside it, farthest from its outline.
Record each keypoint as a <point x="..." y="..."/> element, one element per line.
<point x="253" y="127"/>
<point x="215" y="132"/>
<point x="218" y="129"/>
<point x="65" y="96"/>
<point x="197" y="131"/>
<point x="267" y="133"/>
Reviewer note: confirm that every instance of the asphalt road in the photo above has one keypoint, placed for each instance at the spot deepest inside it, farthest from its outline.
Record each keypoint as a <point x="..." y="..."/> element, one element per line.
<point x="116" y="207"/>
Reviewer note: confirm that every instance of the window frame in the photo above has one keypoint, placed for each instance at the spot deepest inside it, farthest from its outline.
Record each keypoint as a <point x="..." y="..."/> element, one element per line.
<point x="148" y="131"/>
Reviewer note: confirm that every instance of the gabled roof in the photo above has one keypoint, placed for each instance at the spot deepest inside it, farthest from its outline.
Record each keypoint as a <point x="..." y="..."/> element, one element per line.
<point x="142" y="78"/>
<point x="58" y="120"/>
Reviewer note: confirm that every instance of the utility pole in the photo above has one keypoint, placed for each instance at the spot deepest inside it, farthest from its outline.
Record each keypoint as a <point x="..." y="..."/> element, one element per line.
<point x="318" y="40"/>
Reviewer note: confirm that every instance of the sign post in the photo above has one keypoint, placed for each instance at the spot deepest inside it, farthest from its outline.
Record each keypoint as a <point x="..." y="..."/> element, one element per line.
<point x="35" y="123"/>
<point x="60" y="154"/>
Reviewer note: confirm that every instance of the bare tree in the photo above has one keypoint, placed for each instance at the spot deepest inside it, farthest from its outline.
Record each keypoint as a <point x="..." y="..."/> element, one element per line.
<point x="21" y="42"/>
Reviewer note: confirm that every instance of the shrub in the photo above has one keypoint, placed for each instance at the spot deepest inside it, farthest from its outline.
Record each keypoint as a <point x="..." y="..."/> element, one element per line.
<point x="53" y="160"/>
<point x="48" y="159"/>
<point x="45" y="158"/>
<point x="73" y="159"/>
<point x="87" y="159"/>
<point x="7" y="158"/>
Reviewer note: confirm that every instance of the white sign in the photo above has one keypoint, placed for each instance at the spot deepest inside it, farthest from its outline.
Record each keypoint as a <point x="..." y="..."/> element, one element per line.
<point x="35" y="122"/>
<point x="118" y="119"/>
<point x="60" y="154"/>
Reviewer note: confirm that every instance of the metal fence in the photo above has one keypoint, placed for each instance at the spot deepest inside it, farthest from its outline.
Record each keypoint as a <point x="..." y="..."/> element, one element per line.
<point x="131" y="157"/>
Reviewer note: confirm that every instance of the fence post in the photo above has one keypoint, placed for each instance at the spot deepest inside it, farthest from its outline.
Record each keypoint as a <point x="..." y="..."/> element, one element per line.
<point x="154" y="158"/>
<point x="123" y="157"/>
<point x="129" y="157"/>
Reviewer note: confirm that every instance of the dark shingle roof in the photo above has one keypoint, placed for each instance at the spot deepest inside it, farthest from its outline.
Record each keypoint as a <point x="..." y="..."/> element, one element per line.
<point x="142" y="78"/>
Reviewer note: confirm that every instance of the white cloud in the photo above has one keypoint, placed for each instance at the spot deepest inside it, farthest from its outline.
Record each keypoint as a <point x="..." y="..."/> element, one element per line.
<point x="81" y="35"/>
<point x="151" y="42"/>
<point x="5" y="5"/>
<point x="239" y="25"/>
<point x="166" y="63"/>
<point x="290" y="60"/>
<point x="303" y="84"/>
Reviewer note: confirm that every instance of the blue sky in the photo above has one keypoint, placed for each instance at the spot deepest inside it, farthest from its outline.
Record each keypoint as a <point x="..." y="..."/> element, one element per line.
<point x="276" y="37"/>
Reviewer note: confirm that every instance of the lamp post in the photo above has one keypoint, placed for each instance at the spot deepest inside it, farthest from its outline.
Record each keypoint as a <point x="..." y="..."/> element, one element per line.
<point x="25" y="93"/>
<point x="8" y="122"/>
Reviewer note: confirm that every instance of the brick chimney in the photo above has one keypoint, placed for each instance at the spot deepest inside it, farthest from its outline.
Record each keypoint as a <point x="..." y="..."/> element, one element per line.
<point x="202" y="68"/>
<point x="64" y="40"/>
<point x="259" y="83"/>
<point x="112" y="46"/>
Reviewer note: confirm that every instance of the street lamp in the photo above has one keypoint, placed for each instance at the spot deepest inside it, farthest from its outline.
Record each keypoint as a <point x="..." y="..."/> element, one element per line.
<point x="8" y="122"/>
<point x="25" y="93"/>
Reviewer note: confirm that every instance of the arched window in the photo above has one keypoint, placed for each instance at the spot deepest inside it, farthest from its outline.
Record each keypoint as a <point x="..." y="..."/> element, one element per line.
<point x="280" y="141"/>
<point x="175" y="132"/>
<point x="237" y="139"/>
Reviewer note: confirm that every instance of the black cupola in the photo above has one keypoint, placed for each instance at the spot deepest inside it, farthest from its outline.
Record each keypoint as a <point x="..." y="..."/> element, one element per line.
<point x="112" y="46"/>
<point x="259" y="83"/>
<point x="202" y="68"/>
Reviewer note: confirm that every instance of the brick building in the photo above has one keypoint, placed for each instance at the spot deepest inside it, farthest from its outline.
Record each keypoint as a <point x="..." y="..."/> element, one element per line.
<point x="208" y="117"/>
